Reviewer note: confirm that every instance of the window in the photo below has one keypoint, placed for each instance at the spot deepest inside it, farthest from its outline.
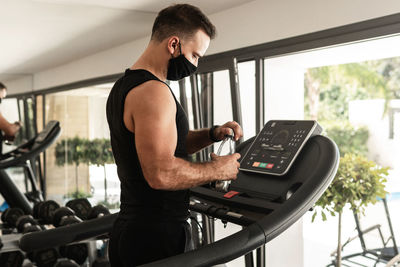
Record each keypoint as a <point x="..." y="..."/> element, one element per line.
<point x="81" y="113"/>
<point x="247" y="86"/>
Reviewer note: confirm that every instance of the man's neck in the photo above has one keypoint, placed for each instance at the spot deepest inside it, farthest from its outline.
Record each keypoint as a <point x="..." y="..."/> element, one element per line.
<point x="153" y="60"/>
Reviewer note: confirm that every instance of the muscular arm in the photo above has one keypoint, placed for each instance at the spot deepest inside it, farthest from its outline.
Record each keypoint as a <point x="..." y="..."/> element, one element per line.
<point x="152" y="110"/>
<point x="197" y="140"/>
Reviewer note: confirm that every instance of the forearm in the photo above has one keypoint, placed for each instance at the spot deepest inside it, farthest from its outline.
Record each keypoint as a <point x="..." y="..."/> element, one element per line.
<point x="177" y="174"/>
<point x="197" y="140"/>
<point x="4" y="125"/>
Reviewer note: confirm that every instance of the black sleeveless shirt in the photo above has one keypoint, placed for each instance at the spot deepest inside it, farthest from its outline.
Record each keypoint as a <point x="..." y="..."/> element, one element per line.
<point x="138" y="200"/>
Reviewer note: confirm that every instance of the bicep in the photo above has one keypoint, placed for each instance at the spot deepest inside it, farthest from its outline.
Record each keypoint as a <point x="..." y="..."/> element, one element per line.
<point x="155" y="130"/>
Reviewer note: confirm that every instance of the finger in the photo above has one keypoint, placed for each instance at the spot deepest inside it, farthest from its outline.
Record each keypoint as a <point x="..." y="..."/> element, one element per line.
<point x="227" y="131"/>
<point x="213" y="156"/>
<point x="237" y="155"/>
<point x="235" y="127"/>
<point x="238" y="131"/>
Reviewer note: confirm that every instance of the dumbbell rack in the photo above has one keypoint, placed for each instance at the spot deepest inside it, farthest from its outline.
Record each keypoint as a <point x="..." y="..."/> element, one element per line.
<point x="44" y="213"/>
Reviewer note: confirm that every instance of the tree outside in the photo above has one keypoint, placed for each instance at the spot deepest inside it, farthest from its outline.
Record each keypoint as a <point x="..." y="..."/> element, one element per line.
<point x="328" y="91"/>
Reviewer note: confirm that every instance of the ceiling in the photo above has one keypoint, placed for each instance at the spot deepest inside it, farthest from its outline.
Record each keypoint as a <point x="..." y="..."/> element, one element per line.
<point x="40" y="34"/>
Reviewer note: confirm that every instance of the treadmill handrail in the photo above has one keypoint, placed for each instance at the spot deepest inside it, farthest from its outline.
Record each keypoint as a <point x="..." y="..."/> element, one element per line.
<point x="249" y="238"/>
<point x="16" y="150"/>
<point x="239" y="243"/>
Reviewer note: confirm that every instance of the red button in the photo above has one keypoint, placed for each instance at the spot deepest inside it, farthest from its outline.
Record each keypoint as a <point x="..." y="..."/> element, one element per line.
<point x="231" y="194"/>
<point x="270" y="166"/>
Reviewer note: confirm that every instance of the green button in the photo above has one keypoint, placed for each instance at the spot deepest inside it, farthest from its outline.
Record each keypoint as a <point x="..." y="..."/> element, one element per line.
<point x="263" y="165"/>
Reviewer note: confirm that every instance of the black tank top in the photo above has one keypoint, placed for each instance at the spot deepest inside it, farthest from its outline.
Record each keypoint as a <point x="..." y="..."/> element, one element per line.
<point x="138" y="199"/>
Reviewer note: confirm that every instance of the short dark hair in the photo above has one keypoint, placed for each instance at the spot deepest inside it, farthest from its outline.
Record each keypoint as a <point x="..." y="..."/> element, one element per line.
<point x="2" y="86"/>
<point x="182" y="20"/>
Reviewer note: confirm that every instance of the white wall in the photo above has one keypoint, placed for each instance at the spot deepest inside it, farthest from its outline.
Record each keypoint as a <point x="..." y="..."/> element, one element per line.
<point x="20" y="85"/>
<point x="265" y="20"/>
<point x="253" y="23"/>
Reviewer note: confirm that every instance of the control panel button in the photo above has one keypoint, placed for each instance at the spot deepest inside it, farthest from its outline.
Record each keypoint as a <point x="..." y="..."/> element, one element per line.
<point x="231" y="194"/>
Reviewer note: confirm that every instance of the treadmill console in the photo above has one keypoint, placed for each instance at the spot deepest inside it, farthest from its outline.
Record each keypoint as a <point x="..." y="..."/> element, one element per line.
<point x="51" y="125"/>
<point x="276" y="147"/>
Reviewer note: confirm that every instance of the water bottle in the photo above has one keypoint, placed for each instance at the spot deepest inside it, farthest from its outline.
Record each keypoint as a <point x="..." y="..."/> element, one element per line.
<point x="223" y="186"/>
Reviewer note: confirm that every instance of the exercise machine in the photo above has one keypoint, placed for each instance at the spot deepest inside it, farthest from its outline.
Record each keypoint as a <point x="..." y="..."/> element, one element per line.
<point x="264" y="199"/>
<point x="23" y="156"/>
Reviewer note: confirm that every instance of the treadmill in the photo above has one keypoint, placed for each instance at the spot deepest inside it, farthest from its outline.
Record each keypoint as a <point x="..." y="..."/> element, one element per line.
<point x="284" y="170"/>
<point x="24" y="156"/>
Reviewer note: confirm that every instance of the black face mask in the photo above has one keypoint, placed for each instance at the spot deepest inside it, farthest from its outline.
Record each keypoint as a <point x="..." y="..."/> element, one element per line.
<point x="179" y="67"/>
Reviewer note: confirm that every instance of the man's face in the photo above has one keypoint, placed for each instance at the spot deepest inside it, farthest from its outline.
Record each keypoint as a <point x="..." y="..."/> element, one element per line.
<point x="195" y="47"/>
<point x="3" y="93"/>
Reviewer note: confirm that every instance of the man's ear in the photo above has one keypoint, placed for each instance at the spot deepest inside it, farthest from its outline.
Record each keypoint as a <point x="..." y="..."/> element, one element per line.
<point x="173" y="42"/>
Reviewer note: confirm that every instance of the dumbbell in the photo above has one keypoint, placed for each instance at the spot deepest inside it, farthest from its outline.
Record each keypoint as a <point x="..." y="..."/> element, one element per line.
<point x="27" y="224"/>
<point x="77" y="252"/>
<point x="81" y="206"/>
<point x="84" y="210"/>
<point x="11" y="259"/>
<point x="44" y="258"/>
<point x="15" y="217"/>
<point x="65" y="216"/>
<point x="44" y="211"/>
<point x="11" y="215"/>
<point x="49" y="212"/>
<point x="98" y="211"/>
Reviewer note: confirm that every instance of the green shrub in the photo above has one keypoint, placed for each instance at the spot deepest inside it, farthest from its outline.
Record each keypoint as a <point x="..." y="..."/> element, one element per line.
<point x="358" y="182"/>
<point x="348" y="138"/>
<point x="77" y="194"/>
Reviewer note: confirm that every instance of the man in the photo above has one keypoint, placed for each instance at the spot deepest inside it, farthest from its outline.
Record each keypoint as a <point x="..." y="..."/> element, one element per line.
<point x="9" y="129"/>
<point x="150" y="139"/>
